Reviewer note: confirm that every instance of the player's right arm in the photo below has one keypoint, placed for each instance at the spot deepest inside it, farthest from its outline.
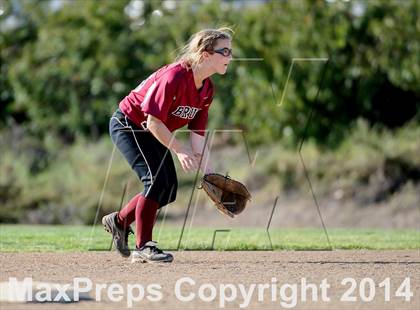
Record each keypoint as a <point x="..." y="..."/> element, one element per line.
<point x="162" y="133"/>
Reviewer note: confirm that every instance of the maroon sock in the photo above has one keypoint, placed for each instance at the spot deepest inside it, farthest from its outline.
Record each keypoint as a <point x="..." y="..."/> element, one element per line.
<point x="145" y="219"/>
<point x="128" y="214"/>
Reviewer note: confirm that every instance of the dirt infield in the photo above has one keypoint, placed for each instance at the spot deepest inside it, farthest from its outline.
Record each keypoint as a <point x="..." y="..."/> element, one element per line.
<point x="222" y="268"/>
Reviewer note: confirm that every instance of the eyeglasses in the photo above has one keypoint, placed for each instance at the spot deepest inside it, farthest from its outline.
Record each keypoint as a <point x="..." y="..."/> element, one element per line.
<point x="224" y="51"/>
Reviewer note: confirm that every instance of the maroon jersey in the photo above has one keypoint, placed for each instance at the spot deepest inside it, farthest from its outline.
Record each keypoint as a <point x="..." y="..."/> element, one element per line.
<point x="170" y="95"/>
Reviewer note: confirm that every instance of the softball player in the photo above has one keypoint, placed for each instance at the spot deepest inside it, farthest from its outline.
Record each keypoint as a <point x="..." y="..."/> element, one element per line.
<point x="142" y="129"/>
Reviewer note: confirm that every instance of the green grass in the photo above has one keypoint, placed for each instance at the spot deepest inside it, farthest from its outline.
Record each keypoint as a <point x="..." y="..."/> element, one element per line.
<point x="41" y="238"/>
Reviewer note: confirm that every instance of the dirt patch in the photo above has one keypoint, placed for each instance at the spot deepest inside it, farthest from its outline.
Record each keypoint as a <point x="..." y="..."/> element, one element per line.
<point x="222" y="268"/>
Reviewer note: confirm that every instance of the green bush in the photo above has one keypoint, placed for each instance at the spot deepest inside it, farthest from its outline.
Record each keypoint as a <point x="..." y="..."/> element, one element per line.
<point x="66" y="70"/>
<point x="88" y="177"/>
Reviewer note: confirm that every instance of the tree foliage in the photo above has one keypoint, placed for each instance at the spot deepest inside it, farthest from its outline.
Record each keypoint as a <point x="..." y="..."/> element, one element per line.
<point x="65" y="70"/>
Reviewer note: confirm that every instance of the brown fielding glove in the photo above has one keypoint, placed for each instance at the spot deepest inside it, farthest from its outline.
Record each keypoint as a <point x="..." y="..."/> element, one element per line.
<point x="229" y="195"/>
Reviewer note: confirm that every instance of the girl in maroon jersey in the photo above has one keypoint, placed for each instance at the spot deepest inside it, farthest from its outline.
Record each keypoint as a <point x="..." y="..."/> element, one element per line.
<point x="142" y="128"/>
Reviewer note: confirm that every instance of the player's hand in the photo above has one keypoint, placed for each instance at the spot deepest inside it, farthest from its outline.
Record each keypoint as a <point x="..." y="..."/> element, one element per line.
<point x="188" y="160"/>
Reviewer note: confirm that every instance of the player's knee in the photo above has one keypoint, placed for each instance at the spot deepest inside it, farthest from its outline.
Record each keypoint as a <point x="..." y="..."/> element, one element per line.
<point x="172" y="190"/>
<point x="164" y="192"/>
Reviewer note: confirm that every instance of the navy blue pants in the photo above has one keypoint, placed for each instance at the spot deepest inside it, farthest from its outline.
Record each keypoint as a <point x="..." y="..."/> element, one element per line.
<point x="149" y="158"/>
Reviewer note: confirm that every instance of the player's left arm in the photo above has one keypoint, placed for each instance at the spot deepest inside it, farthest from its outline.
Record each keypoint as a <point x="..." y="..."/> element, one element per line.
<point x="199" y="149"/>
<point x="198" y="127"/>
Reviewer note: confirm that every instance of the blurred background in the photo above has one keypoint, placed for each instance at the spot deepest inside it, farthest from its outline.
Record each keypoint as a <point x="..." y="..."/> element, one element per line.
<point x="66" y="64"/>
